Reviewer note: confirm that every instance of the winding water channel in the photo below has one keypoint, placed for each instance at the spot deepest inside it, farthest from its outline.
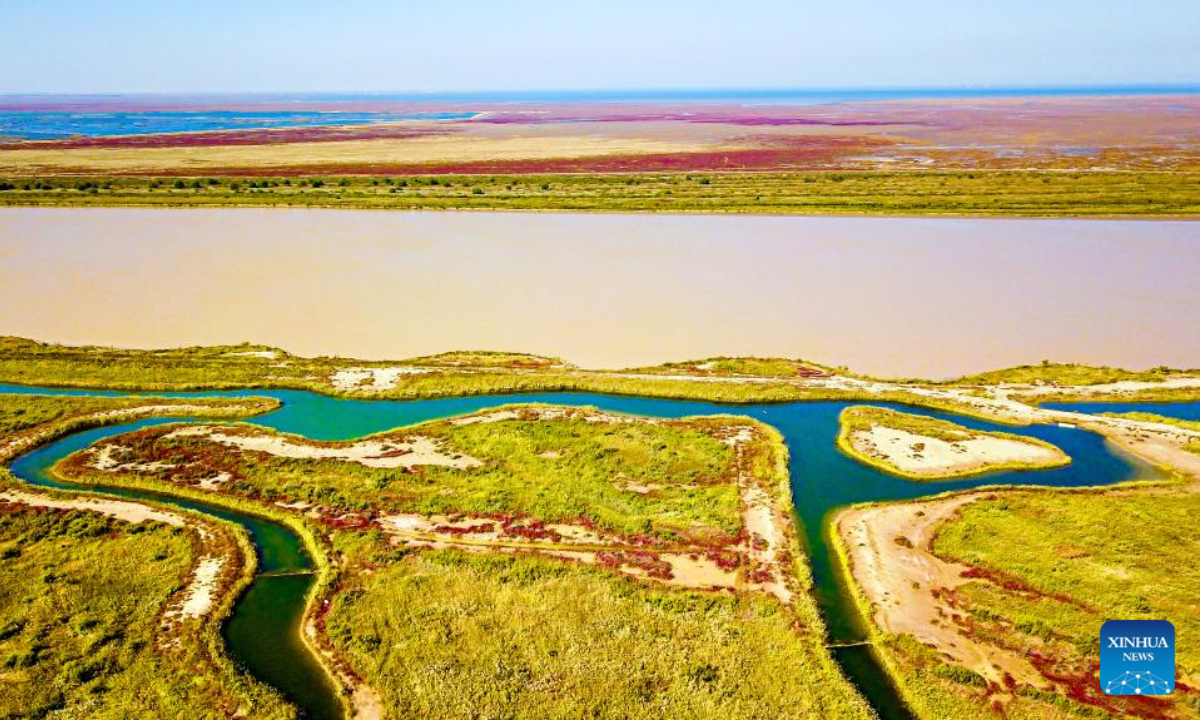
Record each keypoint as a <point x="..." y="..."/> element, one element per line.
<point x="263" y="632"/>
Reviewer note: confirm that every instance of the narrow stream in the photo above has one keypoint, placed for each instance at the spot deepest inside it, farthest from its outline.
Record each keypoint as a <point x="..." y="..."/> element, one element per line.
<point x="263" y="634"/>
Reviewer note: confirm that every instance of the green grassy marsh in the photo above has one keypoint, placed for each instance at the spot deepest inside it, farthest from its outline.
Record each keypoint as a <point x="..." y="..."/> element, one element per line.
<point x="1033" y="193"/>
<point x="1054" y="566"/>
<point x="561" y="470"/>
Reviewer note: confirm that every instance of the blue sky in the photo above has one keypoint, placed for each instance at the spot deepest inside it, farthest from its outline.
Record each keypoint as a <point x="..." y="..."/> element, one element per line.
<point x="468" y="45"/>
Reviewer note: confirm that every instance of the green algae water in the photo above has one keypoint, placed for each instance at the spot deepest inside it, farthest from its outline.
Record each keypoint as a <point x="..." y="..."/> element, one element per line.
<point x="264" y="632"/>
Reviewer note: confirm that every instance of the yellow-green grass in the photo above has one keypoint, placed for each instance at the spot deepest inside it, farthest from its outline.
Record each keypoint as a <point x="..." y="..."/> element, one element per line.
<point x="863" y="418"/>
<point x="549" y="636"/>
<point x="20" y="412"/>
<point x="1057" y="565"/>
<point x="735" y="366"/>
<point x="81" y="597"/>
<point x="442" y="634"/>
<point x="1068" y="374"/>
<point x="225" y="367"/>
<point x="551" y="470"/>
<point x="488" y="359"/>
<point x="44" y="418"/>
<point x="1049" y="193"/>
<point x="1149" y="395"/>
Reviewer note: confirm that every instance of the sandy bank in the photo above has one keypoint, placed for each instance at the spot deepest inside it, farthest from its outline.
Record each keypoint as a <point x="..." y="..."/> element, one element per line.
<point x="411" y="452"/>
<point x="923" y="456"/>
<point x="891" y="563"/>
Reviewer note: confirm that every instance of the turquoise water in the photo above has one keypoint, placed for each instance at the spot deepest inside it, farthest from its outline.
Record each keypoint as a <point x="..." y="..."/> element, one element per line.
<point x="822" y="479"/>
<point x="54" y="125"/>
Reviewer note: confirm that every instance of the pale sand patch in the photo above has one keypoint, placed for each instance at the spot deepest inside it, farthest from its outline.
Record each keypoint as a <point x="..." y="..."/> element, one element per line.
<point x="577" y="534"/>
<point x="639" y="488"/>
<point x="764" y="525"/>
<point x="105" y="459"/>
<point x="412" y="452"/>
<point x="373" y="379"/>
<point x="1158" y="443"/>
<point x="551" y="413"/>
<point x="498" y="416"/>
<point x="744" y="434"/>
<point x="215" y="482"/>
<point x="698" y="572"/>
<point x="266" y="354"/>
<point x="407" y="523"/>
<point x="199" y="595"/>
<point x="408" y="151"/>
<point x="120" y="509"/>
<point x="367" y="703"/>
<point x="922" y="455"/>
<point x="424" y="527"/>
<point x="29" y="438"/>
<point x="1122" y="387"/>
<point x="900" y="582"/>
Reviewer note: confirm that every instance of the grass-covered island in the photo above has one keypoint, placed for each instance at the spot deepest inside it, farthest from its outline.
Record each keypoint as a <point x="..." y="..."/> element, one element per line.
<point x="580" y="562"/>
<point x="566" y="561"/>
<point x="922" y="448"/>
<point x="111" y="607"/>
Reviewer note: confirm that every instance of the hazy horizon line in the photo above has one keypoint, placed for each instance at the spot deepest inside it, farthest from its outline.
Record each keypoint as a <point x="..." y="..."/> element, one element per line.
<point x="1105" y="88"/>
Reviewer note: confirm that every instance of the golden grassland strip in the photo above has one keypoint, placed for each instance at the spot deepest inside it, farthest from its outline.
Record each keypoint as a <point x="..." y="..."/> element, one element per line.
<point x="859" y="417"/>
<point x="1069" y="374"/>
<point x="221" y="612"/>
<point x="1061" y="545"/>
<point x="439" y="571"/>
<point x="266" y="701"/>
<point x="1150" y="395"/>
<point x="315" y="544"/>
<point x="1025" y="193"/>
<point x="115" y="411"/>
<point x="469" y="383"/>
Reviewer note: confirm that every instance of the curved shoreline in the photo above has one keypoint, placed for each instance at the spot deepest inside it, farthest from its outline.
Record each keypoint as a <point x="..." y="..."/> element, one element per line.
<point x="862" y="669"/>
<point x="204" y="505"/>
<point x="971" y="468"/>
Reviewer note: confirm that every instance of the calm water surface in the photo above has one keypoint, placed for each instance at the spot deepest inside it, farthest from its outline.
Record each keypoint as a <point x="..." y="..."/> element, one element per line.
<point x="887" y="296"/>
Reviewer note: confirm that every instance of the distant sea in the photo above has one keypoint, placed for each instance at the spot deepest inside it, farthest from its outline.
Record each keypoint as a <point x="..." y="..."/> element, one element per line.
<point x="763" y="96"/>
<point x="53" y="125"/>
<point x="48" y="117"/>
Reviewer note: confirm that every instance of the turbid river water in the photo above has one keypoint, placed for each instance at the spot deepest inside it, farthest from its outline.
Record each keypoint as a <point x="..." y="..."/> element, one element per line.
<point x="263" y="632"/>
<point x="886" y="296"/>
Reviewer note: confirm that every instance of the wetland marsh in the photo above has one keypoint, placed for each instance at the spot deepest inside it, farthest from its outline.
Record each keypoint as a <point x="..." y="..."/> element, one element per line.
<point x="809" y="430"/>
